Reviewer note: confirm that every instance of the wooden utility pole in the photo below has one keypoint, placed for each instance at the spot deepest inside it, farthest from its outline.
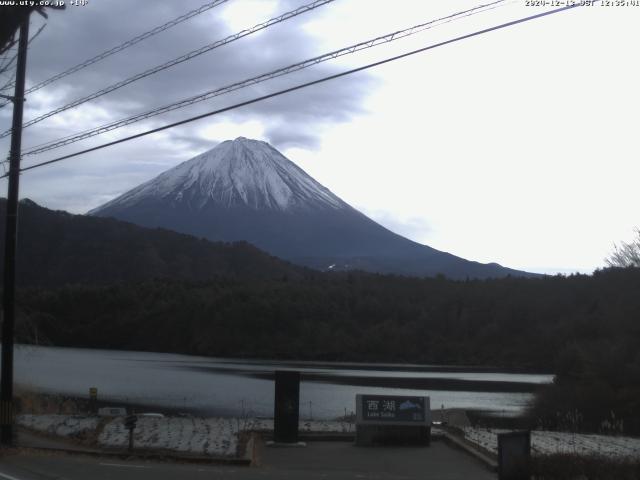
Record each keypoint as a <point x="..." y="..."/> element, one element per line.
<point x="11" y="237"/>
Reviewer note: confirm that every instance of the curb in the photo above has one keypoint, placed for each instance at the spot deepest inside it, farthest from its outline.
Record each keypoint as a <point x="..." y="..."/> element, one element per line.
<point x="454" y="441"/>
<point x="327" y="437"/>
<point x="140" y="455"/>
<point x="125" y="455"/>
<point x="313" y="437"/>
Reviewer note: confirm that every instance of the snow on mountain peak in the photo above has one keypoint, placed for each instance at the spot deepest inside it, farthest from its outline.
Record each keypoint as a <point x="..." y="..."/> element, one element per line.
<point x="236" y="172"/>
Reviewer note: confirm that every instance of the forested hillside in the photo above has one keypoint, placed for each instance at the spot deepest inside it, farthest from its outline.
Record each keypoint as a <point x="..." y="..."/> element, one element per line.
<point x="57" y="248"/>
<point x="525" y="323"/>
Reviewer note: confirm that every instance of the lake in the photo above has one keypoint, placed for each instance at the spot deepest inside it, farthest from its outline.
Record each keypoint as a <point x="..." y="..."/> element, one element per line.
<point x="232" y="387"/>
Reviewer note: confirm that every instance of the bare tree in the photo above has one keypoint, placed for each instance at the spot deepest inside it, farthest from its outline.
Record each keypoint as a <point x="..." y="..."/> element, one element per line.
<point x="626" y="254"/>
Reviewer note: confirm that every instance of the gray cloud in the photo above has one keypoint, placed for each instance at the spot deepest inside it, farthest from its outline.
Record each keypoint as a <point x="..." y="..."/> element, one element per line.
<point x="193" y="142"/>
<point x="296" y="115"/>
<point x="79" y="33"/>
<point x="297" y="138"/>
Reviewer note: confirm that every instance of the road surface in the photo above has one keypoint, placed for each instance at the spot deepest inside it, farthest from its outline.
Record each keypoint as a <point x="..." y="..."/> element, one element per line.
<point x="319" y="460"/>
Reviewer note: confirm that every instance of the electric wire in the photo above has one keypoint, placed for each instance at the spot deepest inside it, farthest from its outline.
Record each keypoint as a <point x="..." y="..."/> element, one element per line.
<point x="183" y="58"/>
<point x="7" y="85"/>
<point x="127" y="44"/>
<point x="8" y="65"/>
<point x="301" y="86"/>
<point x="5" y="70"/>
<point x="7" y="62"/>
<point x="258" y="79"/>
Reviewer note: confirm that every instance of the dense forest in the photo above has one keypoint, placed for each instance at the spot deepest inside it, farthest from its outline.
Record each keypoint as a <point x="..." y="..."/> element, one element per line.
<point x="586" y="329"/>
<point x="526" y="323"/>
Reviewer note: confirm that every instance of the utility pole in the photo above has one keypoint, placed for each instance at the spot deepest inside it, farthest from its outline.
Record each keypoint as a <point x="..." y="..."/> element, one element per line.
<point x="11" y="237"/>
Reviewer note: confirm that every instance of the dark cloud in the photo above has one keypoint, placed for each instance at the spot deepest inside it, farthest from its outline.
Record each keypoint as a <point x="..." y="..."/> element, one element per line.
<point x="287" y="139"/>
<point x="193" y="142"/>
<point x="79" y="33"/>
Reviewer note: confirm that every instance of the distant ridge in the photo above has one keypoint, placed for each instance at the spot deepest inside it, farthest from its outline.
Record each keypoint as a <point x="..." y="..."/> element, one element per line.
<point x="57" y="248"/>
<point x="246" y="190"/>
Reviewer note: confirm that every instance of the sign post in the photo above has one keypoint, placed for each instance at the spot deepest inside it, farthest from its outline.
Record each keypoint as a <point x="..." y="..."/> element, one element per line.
<point x="93" y="400"/>
<point x="392" y="419"/>
<point x="130" y="424"/>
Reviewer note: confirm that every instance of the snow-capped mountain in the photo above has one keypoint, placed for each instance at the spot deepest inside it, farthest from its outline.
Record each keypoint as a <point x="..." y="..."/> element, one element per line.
<point x="246" y="190"/>
<point x="236" y="173"/>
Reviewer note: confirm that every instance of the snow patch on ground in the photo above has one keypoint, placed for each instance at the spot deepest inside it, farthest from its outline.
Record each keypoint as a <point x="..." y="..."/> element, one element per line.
<point x="193" y="435"/>
<point x="219" y="436"/>
<point x="202" y="436"/>
<point x="60" y="425"/>
<point x="546" y="442"/>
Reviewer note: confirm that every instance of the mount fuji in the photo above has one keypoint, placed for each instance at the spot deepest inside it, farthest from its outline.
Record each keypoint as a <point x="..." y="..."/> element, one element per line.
<point x="246" y="190"/>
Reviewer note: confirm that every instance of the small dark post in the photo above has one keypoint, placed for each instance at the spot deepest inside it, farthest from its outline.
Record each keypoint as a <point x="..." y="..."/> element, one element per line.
<point x="130" y="424"/>
<point x="93" y="400"/>
<point x="287" y="407"/>
<point x="514" y="456"/>
<point x="11" y="238"/>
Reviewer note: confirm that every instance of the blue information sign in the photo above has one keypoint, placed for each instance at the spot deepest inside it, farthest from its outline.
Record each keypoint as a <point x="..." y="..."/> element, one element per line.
<point x="393" y="408"/>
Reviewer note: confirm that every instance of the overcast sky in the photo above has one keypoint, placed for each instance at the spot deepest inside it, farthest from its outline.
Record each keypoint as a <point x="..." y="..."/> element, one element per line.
<point x="518" y="147"/>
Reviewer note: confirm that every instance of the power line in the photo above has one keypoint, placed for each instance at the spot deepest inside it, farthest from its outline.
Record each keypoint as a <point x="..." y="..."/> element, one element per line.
<point x="8" y="63"/>
<point x="127" y="44"/>
<point x="35" y="35"/>
<point x="5" y="70"/>
<point x="9" y="83"/>
<point x="178" y="60"/>
<point x="301" y="86"/>
<point x="260" y="78"/>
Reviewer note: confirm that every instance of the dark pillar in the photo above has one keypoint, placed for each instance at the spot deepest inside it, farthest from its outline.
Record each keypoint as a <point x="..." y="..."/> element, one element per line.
<point x="514" y="456"/>
<point x="287" y="407"/>
<point x="11" y="239"/>
<point x="93" y="400"/>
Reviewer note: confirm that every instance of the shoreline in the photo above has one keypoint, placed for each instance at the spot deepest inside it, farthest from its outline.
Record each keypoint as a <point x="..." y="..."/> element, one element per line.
<point x="193" y="385"/>
<point x="44" y="403"/>
<point x="317" y="363"/>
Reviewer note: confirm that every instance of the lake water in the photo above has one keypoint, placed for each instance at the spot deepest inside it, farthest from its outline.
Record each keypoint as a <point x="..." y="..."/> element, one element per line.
<point x="218" y="386"/>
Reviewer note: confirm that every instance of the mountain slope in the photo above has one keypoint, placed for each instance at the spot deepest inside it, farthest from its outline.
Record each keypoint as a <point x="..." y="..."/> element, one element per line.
<point x="242" y="173"/>
<point x="247" y="190"/>
<point x="57" y="248"/>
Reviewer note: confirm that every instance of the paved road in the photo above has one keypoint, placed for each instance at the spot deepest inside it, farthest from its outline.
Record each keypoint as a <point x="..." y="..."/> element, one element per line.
<point x="340" y="460"/>
<point x="319" y="460"/>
